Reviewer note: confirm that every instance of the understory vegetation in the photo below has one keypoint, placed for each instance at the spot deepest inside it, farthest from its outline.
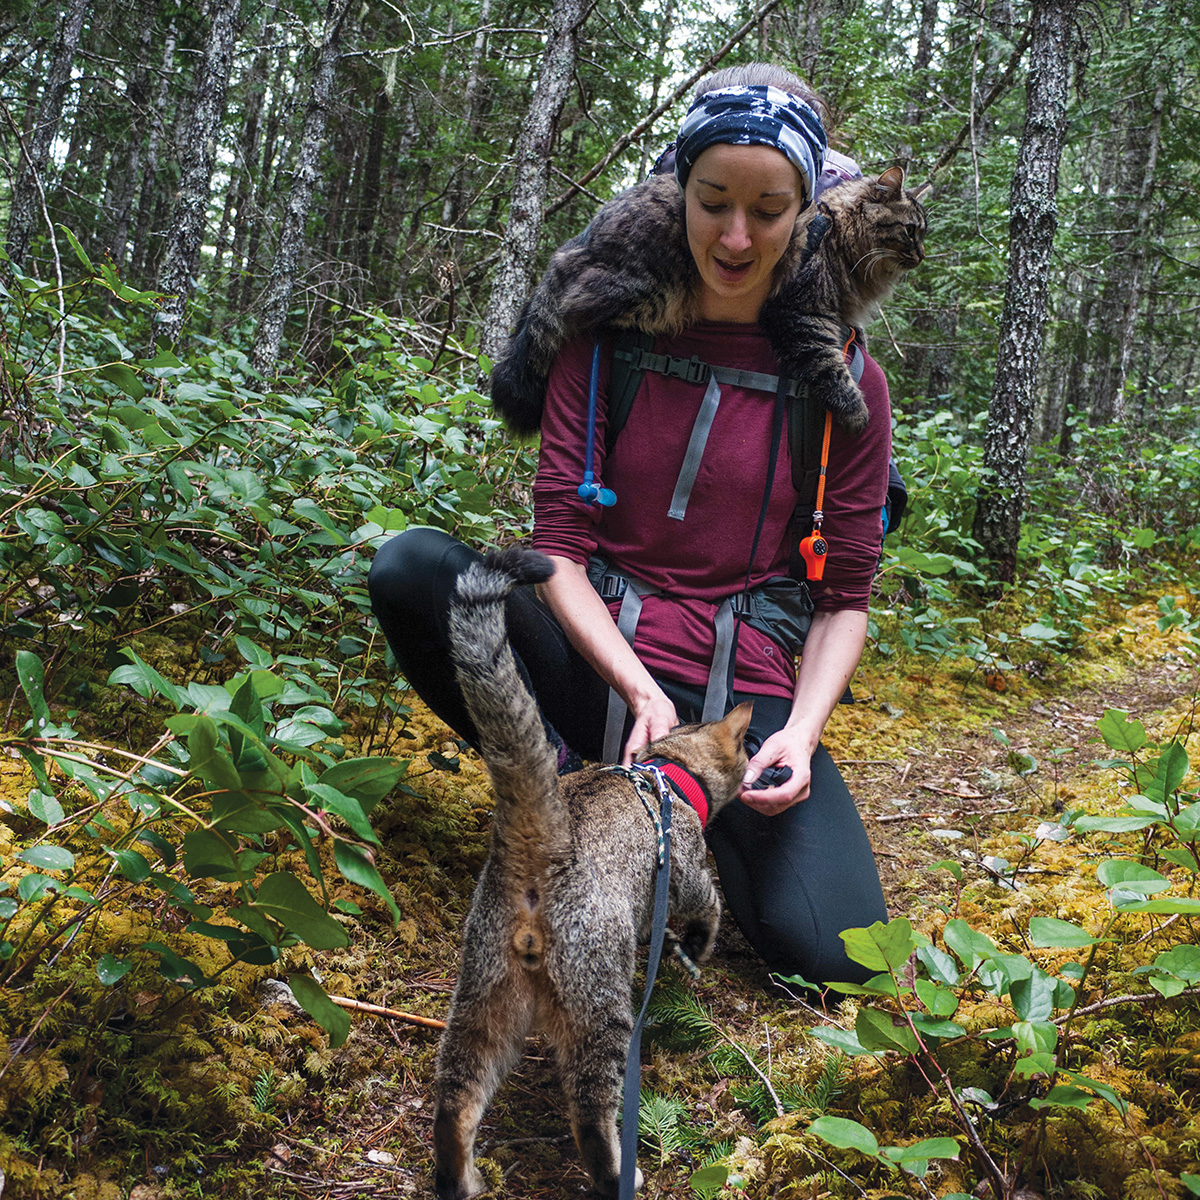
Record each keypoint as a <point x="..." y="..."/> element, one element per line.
<point x="210" y="785"/>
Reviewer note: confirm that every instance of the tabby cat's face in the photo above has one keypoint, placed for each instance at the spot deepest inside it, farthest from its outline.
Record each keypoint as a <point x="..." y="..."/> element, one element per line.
<point x="741" y="204"/>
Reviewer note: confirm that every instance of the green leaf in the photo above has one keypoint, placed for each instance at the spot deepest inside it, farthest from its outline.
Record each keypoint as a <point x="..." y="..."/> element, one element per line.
<point x="846" y="1135"/>
<point x="935" y="1027"/>
<point x="1115" y="824"/>
<point x="124" y="378"/>
<point x="1192" y="1183"/>
<point x="1181" y="961"/>
<point x="877" y="1030"/>
<point x="207" y="855"/>
<point x="971" y="946"/>
<point x="359" y="869"/>
<point x="941" y="1002"/>
<point x="1131" y="877"/>
<point x="33" y="682"/>
<point x="146" y="681"/>
<point x="368" y="780"/>
<point x="285" y="899"/>
<point x="1176" y="906"/>
<point x="948" y="864"/>
<point x="923" y="1151"/>
<point x="1033" y="997"/>
<point x="45" y="807"/>
<point x="1050" y="932"/>
<point x="1102" y="1090"/>
<point x="1120" y="733"/>
<point x="881" y="947"/>
<point x="80" y="252"/>
<point x="939" y="964"/>
<point x="131" y="864"/>
<point x="1035" y="1037"/>
<point x="49" y="858"/>
<point x="1063" y="1095"/>
<point x="110" y="970"/>
<point x="709" y="1179"/>
<point x="1172" y="768"/>
<point x="209" y="759"/>
<point x="316" y="1002"/>
<point x="239" y="812"/>
<point x="844" y="1040"/>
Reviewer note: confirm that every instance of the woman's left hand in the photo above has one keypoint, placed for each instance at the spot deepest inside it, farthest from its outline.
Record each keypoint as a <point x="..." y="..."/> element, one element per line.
<point x="786" y="748"/>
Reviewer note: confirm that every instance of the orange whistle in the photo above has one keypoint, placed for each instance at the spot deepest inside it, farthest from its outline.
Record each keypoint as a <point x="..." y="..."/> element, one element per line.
<point x="813" y="550"/>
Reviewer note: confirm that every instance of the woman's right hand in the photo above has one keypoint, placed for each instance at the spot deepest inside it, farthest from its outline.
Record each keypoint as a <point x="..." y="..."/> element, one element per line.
<point x="652" y="719"/>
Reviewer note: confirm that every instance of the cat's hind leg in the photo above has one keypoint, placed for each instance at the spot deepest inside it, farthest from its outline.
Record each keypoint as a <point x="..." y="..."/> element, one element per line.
<point x="592" y="1070"/>
<point x="484" y="1038"/>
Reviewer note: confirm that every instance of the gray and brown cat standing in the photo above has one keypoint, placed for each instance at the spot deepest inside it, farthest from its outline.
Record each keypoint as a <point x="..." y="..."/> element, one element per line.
<point x="564" y="897"/>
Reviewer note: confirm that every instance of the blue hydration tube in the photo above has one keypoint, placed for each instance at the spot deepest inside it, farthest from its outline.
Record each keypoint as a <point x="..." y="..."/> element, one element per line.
<point x="589" y="491"/>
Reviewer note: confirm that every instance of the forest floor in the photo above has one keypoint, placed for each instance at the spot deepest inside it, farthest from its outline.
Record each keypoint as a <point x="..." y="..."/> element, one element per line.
<point x="933" y="781"/>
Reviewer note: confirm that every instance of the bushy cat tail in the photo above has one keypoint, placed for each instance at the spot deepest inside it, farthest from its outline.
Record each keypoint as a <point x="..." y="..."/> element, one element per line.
<point x="523" y="765"/>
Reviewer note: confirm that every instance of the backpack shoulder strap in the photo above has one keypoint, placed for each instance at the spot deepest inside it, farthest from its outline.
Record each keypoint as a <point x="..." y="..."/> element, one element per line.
<point x="624" y="378"/>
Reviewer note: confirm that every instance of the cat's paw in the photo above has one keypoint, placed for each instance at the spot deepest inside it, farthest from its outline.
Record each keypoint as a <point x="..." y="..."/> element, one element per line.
<point x="697" y="940"/>
<point x="845" y="402"/>
<point x="463" y="1187"/>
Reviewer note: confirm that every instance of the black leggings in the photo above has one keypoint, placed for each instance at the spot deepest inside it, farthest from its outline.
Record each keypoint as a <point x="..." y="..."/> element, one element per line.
<point x="793" y="882"/>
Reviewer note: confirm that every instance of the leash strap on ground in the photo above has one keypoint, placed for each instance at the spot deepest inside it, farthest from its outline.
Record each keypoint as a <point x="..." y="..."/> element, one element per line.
<point x="633" y="1062"/>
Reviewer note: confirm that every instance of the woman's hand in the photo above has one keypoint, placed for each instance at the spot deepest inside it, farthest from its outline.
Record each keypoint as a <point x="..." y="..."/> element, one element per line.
<point x="653" y="719"/>
<point x="789" y="747"/>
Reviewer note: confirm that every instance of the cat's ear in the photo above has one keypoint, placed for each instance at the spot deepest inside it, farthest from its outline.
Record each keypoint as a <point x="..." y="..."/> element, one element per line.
<point x="892" y="179"/>
<point x="919" y="194"/>
<point x="737" y="721"/>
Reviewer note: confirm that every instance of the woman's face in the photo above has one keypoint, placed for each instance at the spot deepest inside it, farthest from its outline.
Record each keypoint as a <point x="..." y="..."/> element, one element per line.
<point x="741" y="203"/>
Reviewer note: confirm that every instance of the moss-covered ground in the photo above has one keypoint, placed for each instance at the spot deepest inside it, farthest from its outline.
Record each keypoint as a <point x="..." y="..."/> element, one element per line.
<point x="136" y="1090"/>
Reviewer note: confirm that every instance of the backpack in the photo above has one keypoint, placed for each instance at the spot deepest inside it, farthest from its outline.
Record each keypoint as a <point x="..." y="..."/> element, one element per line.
<point x="633" y="355"/>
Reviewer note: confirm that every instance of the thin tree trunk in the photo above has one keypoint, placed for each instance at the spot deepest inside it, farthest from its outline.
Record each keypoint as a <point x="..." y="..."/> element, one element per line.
<point x="368" y="202"/>
<point x="23" y="211"/>
<point x="278" y="298"/>
<point x="197" y="153"/>
<point x="814" y="12"/>
<point x="533" y="153"/>
<point x="143" y="257"/>
<point x="1032" y="226"/>
<point x="1129" y="261"/>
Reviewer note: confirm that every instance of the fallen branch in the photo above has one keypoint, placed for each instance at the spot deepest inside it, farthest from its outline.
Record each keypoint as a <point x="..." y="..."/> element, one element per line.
<point x="377" y="1010"/>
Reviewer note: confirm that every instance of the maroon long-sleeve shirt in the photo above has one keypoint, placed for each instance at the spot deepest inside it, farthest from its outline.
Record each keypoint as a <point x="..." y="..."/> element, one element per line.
<point x="701" y="560"/>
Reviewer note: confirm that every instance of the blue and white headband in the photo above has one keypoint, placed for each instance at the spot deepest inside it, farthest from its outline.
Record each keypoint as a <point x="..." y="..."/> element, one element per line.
<point x="753" y="116"/>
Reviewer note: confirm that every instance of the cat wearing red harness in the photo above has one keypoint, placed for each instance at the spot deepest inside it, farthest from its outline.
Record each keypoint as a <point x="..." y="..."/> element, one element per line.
<point x="566" y="893"/>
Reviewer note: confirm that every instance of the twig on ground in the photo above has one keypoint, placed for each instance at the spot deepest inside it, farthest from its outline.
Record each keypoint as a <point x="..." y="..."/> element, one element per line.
<point x="396" y="1014"/>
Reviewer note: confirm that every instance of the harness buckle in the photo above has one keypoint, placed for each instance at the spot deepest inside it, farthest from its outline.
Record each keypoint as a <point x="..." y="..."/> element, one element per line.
<point x="742" y="604"/>
<point x="693" y="369"/>
<point x="612" y="587"/>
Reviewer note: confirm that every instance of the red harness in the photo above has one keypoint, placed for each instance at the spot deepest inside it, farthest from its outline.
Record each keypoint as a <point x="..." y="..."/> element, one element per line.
<point x="685" y="785"/>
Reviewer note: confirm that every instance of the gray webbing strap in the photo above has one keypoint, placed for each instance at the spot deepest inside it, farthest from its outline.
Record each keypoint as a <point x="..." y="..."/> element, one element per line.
<point x="718" y="673"/>
<point x="750" y="380"/>
<point x="627" y="620"/>
<point x="695" y="449"/>
<point x="716" y="690"/>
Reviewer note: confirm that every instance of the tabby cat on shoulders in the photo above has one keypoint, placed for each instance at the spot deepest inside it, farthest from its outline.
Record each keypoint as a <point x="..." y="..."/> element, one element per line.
<point x="565" y="895"/>
<point x="632" y="269"/>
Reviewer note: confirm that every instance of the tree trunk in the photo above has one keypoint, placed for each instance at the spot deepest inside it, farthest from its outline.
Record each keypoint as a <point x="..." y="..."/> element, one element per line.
<point x="143" y="256"/>
<point x="1129" y="260"/>
<point x="278" y="297"/>
<point x="26" y="200"/>
<point x="368" y="203"/>
<point x="197" y="155"/>
<point x="519" y="248"/>
<point x="1032" y="225"/>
